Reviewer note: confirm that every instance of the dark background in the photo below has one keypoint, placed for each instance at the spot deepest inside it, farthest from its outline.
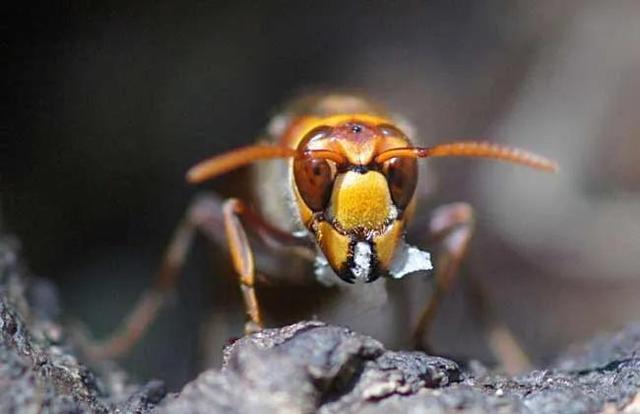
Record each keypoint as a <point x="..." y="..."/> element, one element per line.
<point x="107" y="106"/>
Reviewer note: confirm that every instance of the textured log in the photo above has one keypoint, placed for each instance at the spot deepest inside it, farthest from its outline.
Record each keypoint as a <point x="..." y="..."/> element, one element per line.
<point x="38" y="369"/>
<point x="303" y="368"/>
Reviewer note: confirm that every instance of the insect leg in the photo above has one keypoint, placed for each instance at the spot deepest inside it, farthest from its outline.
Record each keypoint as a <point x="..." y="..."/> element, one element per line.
<point x="452" y="226"/>
<point x="206" y="214"/>
<point x="504" y="345"/>
<point x="146" y="308"/>
<point x="242" y="254"/>
<point x="242" y="258"/>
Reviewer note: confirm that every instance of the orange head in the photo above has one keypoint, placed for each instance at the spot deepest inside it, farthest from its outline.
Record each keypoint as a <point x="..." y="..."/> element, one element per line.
<point x="355" y="206"/>
<point x="353" y="180"/>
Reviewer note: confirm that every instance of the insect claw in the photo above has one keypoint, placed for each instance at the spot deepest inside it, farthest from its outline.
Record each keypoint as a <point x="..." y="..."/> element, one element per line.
<point x="373" y="276"/>
<point x="347" y="276"/>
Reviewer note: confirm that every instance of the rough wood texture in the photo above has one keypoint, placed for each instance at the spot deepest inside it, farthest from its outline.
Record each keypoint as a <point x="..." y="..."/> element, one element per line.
<point x="38" y="369"/>
<point x="303" y="368"/>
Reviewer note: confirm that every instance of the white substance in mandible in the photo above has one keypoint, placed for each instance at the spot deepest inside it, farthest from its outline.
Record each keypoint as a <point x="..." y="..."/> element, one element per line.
<point x="361" y="261"/>
<point x="409" y="259"/>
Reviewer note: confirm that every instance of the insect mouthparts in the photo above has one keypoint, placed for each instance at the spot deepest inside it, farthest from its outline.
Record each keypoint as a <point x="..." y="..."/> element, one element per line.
<point x="362" y="258"/>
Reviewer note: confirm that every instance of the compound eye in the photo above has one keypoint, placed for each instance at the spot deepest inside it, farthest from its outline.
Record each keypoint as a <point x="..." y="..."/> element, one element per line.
<point x="402" y="177"/>
<point x="314" y="180"/>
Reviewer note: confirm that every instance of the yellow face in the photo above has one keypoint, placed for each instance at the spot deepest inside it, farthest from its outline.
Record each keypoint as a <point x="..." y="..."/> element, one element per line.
<point x="356" y="208"/>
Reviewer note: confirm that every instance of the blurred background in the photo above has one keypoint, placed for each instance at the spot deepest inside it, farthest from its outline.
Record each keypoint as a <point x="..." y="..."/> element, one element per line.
<point x="107" y="106"/>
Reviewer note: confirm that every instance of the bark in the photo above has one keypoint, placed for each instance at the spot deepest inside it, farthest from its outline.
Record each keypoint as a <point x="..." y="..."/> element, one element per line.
<point x="302" y="368"/>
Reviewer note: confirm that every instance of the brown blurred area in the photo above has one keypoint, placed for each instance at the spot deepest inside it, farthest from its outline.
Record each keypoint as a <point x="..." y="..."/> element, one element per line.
<point x="109" y="105"/>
